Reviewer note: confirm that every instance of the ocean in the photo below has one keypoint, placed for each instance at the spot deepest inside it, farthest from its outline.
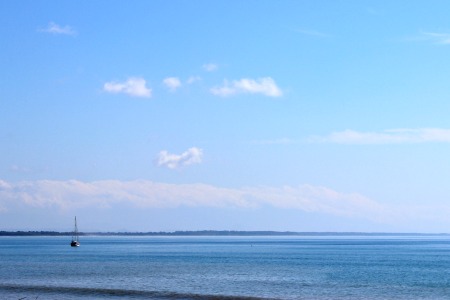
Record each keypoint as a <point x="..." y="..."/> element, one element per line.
<point x="295" y="267"/>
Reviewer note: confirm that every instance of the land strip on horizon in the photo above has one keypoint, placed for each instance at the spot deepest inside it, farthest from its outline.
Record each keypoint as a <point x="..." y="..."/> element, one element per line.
<point x="216" y="233"/>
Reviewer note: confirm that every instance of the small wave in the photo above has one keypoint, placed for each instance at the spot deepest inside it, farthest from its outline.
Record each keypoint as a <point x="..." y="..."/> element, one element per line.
<point x="118" y="292"/>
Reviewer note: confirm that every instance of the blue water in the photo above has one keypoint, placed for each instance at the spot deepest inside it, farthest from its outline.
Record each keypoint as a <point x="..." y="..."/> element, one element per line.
<point x="225" y="268"/>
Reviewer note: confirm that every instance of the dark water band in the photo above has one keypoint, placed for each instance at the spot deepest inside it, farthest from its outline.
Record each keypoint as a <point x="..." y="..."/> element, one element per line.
<point x="117" y="292"/>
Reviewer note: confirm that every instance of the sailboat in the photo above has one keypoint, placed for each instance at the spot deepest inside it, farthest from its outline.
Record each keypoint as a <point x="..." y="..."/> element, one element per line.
<point x="75" y="238"/>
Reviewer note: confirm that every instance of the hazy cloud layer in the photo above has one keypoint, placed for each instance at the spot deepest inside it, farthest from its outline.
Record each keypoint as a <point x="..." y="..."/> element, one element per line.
<point x="210" y="67"/>
<point x="265" y="86"/>
<point x="193" y="79"/>
<point x="391" y="136"/>
<point x="173" y="161"/>
<point x="141" y="193"/>
<point x="280" y="141"/>
<point x="144" y="194"/>
<point x="19" y="169"/>
<point x="134" y="86"/>
<point x="57" y="29"/>
<point x="313" y="33"/>
<point x="436" y="37"/>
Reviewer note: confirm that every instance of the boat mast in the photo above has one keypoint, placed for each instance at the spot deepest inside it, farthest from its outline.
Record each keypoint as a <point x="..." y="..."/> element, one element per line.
<point x="75" y="232"/>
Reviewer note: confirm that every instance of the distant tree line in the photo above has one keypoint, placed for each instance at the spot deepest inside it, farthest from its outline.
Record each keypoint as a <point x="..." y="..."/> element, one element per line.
<point x="207" y="233"/>
<point x="34" y="233"/>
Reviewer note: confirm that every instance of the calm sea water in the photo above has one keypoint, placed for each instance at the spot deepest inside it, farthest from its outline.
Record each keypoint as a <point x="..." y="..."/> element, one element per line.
<point x="225" y="268"/>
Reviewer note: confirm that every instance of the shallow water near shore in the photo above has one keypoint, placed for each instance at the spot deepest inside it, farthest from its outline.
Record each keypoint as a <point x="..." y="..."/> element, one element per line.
<point x="335" y="267"/>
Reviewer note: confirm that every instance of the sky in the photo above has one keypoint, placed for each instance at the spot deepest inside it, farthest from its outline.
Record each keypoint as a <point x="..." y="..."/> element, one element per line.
<point x="225" y="115"/>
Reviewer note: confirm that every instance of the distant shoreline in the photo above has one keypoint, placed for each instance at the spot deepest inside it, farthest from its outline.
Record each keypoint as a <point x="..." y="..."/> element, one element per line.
<point x="215" y="233"/>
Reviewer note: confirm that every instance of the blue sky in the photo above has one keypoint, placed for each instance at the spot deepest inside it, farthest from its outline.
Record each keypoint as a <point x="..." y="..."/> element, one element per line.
<point x="252" y="115"/>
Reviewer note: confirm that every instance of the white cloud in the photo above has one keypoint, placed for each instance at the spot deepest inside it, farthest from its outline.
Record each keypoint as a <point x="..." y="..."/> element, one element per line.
<point x="210" y="67"/>
<point x="392" y="136"/>
<point x="265" y="86"/>
<point x="225" y="90"/>
<point x="4" y="185"/>
<point x="314" y="33"/>
<point x="172" y="83"/>
<point x="173" y="161"/>
<point x="134" y="86"/>
<point x="436" y="37"/>
<point x="440" y="38"/>
<point x="193" y="79"/>
<point x="57" y="29"/>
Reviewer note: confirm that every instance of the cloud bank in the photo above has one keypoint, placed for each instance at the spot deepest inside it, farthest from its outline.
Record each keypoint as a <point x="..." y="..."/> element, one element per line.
<point x="113" y="195"/>
<point x="134" y="86"/>
<point x="105" y="194"/>
<point x="265" y="86"/>
<point x="391" y="136"/>
<point x="173" y="161"/>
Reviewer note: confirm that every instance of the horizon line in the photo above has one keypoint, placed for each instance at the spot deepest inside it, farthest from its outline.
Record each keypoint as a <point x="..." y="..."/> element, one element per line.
<point x="213" y="233"/>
